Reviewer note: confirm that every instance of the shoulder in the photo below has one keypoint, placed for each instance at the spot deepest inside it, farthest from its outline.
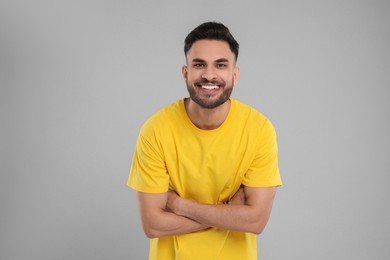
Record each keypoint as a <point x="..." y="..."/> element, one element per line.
<point x="254" y="123"/>
<point x="162" y="119"/>
<point x="250" y="115"/>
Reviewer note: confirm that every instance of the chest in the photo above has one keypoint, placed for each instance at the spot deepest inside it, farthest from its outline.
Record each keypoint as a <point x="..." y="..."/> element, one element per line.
<point x="208" y="168"/>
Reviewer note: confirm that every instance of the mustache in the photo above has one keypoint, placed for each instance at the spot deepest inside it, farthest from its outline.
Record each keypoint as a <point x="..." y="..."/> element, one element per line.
<point x="206" y="81"/>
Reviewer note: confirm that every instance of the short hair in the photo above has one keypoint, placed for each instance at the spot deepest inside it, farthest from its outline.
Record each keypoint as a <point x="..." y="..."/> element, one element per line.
<point x="211" y="31"/>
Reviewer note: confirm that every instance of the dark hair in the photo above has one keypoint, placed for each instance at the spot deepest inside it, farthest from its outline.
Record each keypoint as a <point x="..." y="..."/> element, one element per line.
<point x="211" y="31"/>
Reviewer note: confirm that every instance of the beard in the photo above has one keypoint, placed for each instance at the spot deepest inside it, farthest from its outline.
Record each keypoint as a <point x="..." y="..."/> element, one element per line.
<point x="205" y="100"/>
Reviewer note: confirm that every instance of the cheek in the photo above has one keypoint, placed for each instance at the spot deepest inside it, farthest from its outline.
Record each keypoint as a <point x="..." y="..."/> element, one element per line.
<point x="191" y="76"/>
<point x="228" y="77"/>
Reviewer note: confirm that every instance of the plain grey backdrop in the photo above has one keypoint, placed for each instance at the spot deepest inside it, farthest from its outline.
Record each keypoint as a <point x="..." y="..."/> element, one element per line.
<point x="78" y="79"/>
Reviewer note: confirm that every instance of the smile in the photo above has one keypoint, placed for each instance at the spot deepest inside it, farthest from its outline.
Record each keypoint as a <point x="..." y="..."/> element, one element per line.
<point x="210" y="87"/>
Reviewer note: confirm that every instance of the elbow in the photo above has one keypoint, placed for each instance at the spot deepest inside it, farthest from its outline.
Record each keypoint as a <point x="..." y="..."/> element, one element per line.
<point x="259" y="223"/>
<point x="258" y="228"/>
<point x="151" y="228"/>
<point x="151" y="233"/>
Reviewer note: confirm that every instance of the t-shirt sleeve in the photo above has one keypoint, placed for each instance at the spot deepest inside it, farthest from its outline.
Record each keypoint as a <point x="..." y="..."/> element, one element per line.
<point x="148" y="171"/>
<point x="264" y="169"/>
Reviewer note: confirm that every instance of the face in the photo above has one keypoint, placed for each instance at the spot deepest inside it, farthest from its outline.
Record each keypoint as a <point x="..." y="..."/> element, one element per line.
<point x="210" y="73"/>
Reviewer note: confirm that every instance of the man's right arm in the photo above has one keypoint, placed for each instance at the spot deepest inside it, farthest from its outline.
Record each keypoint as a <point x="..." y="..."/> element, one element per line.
<point x="158" y="222"/>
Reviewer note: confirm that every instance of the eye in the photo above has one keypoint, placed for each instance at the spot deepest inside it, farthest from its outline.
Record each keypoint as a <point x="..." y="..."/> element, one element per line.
<point x="221" y="65"/>
<point x="198" y="65"/>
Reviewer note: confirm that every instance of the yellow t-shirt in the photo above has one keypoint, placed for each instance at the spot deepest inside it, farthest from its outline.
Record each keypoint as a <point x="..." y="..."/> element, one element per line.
<point x="207" y="166"/>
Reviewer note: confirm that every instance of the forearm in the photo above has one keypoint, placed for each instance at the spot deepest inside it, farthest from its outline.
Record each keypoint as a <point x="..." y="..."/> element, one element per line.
<point x="158" y="221"/>
<point x="248" y="211"/>
<point x="167" y="223"/>
<point x="242" y="218"/>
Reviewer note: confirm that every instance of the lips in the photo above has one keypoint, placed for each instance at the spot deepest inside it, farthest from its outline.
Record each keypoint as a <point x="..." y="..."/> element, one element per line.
<point x="209" y="85"/>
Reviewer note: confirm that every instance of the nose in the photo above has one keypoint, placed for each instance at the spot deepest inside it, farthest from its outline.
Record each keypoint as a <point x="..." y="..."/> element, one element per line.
<point x="209" y="73"/>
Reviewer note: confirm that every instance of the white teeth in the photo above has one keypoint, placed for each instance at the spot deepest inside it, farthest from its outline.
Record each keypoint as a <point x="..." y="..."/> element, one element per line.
<point x="210" y="87"/>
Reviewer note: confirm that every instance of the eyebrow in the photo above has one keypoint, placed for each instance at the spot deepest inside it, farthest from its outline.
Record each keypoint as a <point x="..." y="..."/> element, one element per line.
<point x="222" y="60"/>
<point x="198" y="60"/>
<point x="203" y="61"/>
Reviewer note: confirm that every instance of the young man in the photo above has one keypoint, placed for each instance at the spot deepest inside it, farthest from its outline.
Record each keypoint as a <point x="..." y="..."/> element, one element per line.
<point x="206" y="167"/>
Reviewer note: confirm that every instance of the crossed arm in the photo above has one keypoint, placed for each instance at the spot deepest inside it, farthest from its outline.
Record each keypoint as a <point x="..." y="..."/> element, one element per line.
<point x="165" y="214"/>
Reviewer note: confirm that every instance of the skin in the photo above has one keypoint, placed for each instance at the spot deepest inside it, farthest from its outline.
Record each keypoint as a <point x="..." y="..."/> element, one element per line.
<point x="209" y="62"/>
<point x="212" y="61"/>
<point x="248" y="213"/>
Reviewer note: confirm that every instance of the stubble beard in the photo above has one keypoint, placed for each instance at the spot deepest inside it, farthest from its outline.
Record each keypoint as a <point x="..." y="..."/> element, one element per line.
<point x="206" y="102"/>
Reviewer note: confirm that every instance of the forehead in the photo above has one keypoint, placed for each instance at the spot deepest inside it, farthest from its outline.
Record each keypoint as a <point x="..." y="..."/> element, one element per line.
<point x="210" y="50"/>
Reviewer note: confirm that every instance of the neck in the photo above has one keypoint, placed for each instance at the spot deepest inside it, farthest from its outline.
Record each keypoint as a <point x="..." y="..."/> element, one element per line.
<point x="206" y="119"/>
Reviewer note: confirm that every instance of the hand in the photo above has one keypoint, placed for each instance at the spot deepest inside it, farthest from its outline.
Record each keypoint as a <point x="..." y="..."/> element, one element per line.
<point x="238" y="198"/>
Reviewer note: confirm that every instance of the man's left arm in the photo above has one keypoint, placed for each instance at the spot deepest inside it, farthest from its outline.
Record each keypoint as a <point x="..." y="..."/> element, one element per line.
<point x="249" y="213"/>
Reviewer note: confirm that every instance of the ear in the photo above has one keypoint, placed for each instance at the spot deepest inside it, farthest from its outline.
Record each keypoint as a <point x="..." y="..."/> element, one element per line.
<point x="236" y="74"/>
<point x="184" y="71"/>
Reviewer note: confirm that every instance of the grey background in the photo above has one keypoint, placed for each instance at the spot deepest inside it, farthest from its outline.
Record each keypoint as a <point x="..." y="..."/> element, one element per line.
<point x="78" y="79"/>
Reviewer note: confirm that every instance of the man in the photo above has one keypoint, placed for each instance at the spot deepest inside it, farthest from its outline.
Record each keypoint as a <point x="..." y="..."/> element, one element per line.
<point x="206" y="167"/>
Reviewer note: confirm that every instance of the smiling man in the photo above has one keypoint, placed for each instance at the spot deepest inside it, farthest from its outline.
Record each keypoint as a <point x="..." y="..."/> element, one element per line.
<point x="205" y="168"/>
